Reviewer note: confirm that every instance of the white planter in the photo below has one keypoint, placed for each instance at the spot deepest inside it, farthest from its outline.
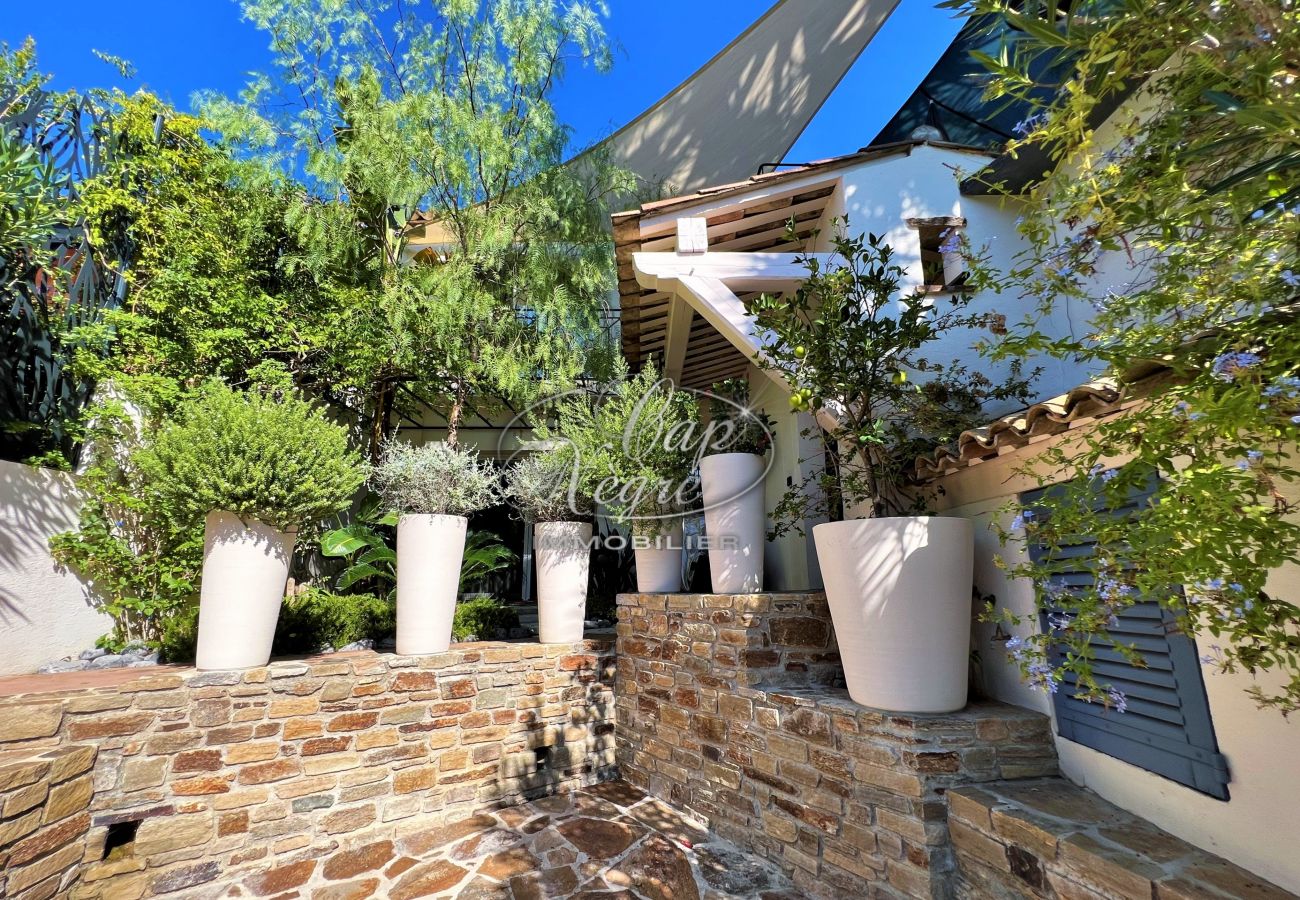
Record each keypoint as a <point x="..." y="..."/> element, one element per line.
<point x="659" y="566"/>
<point x="735" y="520"/>
<point x="899" y="590"/>
<point x="429" y="553"/>
<point x="245" y="567"/>
<point x="563" y="553"/>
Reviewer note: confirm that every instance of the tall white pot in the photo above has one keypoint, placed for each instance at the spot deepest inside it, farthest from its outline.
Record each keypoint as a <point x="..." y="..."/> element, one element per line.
<point x="245" y="568"/>
<point x="899" y="590"/>
<point x="429" y="553"/>
<point x="563" y="553"/>
<point x="735" y="520"/>
<point x="659" y="565"/>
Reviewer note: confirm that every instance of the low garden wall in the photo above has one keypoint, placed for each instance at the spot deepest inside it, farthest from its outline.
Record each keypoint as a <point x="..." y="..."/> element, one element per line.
<point x="253" y="777"/>
<point x="733" y="724"/>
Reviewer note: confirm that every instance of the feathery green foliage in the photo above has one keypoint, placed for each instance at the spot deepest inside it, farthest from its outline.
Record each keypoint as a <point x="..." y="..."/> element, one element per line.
<point x="1177" y="225"/>
<point x="443" y="110"/>
<point x="274" y="459"/>
<point x="734" y="425"/>
<point x="635" y="445"/>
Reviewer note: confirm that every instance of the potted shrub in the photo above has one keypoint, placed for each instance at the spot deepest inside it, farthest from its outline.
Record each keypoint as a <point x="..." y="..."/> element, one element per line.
<point x="898" y="581"/>
<point x="432" y="488"/>
<point x="258" y="470"/>
<point x="635" y="459"/>
<point x="545" y="488"/>
<point x="732" y="469"/>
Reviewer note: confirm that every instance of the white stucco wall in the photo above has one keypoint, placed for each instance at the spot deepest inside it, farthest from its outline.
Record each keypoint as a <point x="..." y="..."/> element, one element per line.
<point x="881" y="195"/>
<point x="45" y="613"/>
<point x="1258" y="827"/>
<point x="790" y="563"/>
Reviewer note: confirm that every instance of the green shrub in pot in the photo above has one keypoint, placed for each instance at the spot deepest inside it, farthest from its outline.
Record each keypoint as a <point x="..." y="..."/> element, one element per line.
<point x="433" y="488"/>
<point x="257" y="469"/>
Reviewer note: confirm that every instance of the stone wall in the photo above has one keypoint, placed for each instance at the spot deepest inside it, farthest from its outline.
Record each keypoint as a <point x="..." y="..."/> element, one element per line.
<point x="1048" y="838"/>
<point x="252" y="777"/>
<point x="850" y="801"/>
<point x="43" y="819"/>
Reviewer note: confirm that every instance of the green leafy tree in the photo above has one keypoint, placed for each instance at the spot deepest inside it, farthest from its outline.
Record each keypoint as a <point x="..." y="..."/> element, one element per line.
<point x="139" y="557"/>
<point x="858" y="353"/>
<point x="1178" y="225"/>
<point x="207" y="294"/>
<point x="437" y="118"/>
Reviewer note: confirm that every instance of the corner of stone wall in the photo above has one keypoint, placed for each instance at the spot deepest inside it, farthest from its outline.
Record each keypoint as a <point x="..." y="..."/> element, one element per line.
<point x="725" y="707"/>
<point x="44" y="823"/>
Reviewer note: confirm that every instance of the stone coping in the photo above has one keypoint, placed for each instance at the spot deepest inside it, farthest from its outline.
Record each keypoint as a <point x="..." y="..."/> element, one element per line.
<point x="1049" y="838"/>
<point x="360" y="661"/>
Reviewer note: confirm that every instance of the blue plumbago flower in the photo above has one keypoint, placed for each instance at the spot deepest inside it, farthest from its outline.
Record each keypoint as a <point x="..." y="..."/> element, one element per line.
<point x="1030" y="124"/>
<point x="1295" y="420"/>
<point x="1109" y="474"/>
<point x="1290" y="279"/>
<point x="1286" y="386"/>
<point x="1257" y="214"/>
<point x="1059" y="622"/>
<point x="1242" y="464"/>
<point x="1042" y="677"/>
<point x="951" y="241"/>
<point x="1196" y="417"/>
<point x="1113" y="589"/>
<point x="1118" y="699"/>
<point x="1015" y="643"/>
<point x="1227" y="366"/>
<point x="1263" y="34"/>
<point x="1055" y="589"/>
<point x="1236" y="587"/>
<point x="1214" y="584"/>
<point x="1022" y="518"/>
<point x="1182" y="406"/>
<point x="1254" y="455"/>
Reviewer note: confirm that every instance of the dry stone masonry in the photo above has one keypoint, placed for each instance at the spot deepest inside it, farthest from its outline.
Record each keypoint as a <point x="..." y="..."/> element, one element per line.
<point x="252" y="777"/>
<point x="1047" y="838"/>
<point x="43" y="819"/>
<point x="720" y="711"/>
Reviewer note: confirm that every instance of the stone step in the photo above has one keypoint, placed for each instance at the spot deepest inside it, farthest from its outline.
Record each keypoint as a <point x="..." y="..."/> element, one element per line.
<point x="1049" y="838"/>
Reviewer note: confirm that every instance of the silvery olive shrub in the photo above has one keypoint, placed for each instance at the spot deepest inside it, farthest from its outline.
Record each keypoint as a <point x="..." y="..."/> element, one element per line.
<point x="434" y="479"/>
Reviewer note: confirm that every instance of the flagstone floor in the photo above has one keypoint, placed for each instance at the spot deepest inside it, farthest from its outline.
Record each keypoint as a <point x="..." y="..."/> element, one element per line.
<point x="609" y="841"/>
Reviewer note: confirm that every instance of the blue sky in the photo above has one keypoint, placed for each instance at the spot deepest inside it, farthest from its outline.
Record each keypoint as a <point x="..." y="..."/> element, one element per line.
<point x="182" y="47"/>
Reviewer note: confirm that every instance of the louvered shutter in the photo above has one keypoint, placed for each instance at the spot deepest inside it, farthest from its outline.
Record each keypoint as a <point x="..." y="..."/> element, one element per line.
<point x="1167" y="728"/>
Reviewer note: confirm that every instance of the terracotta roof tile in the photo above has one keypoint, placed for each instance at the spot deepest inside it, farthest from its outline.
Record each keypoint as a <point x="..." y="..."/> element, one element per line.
<point x="1087" y="401"/>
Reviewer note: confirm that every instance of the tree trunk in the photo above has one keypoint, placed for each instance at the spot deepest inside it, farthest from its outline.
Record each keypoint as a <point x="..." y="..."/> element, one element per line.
<point x="454" y="417"/>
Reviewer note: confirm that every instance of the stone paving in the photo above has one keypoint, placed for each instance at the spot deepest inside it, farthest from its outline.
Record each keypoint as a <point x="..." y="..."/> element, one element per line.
<point x="608" y="841"/>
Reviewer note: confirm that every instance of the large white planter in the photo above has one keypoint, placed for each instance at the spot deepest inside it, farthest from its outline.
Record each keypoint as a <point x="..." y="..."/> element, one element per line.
<point x="735" y="521"/>
<point x="563" y="553"/>
<point x="245" y="567"/>
<point x="899" y="590"/>
<point x="429" y="553"/>
<point x="659" y="566"/>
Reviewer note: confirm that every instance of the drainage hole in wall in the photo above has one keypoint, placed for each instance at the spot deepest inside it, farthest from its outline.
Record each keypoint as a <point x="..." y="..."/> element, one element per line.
<point x="120" y="839"/>
<point x="543" y="755"/>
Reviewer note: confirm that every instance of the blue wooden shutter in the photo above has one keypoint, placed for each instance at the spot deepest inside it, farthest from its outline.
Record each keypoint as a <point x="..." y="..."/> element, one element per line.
<point x="1167" y="728"/>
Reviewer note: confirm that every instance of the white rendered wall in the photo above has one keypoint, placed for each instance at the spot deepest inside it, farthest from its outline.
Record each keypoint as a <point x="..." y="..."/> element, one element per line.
<point x="1258" y="827"/>
<point x="881" y="195"/>
<point x="790" y="562"/>
<point x="45" y="613"/>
